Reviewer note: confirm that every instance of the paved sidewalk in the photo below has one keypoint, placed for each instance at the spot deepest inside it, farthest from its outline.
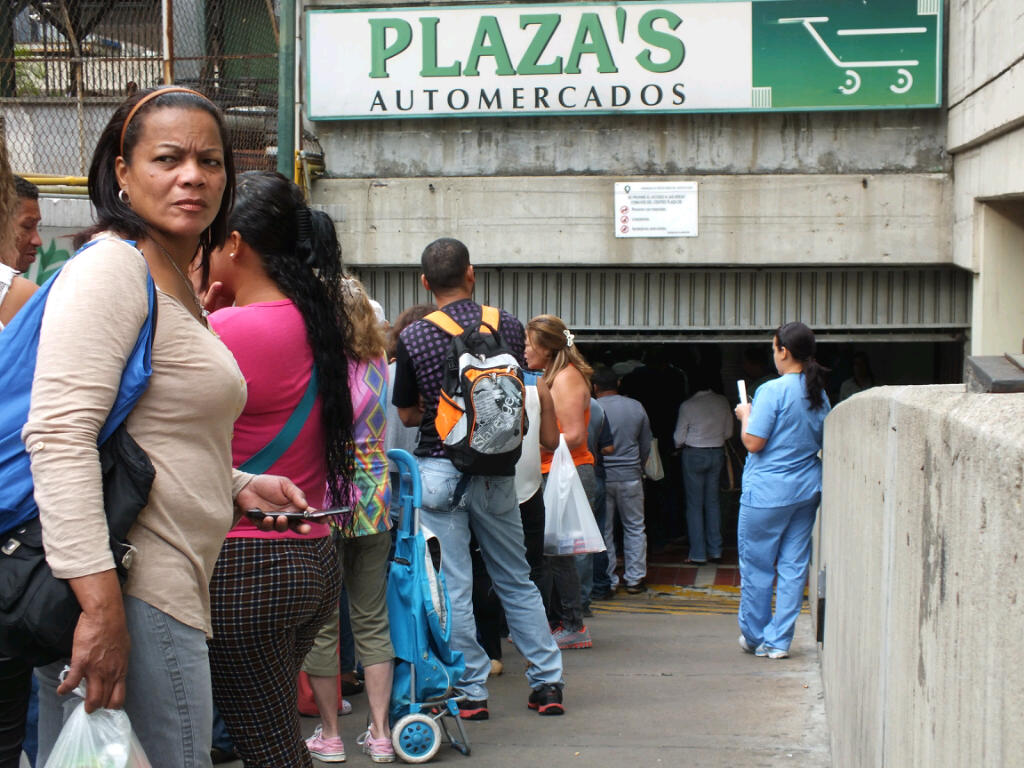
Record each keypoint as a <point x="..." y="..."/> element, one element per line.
<point x="664" y="685"/>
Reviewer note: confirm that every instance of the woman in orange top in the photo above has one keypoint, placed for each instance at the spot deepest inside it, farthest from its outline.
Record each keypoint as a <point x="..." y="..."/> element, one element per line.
<point x="550" y="347"/>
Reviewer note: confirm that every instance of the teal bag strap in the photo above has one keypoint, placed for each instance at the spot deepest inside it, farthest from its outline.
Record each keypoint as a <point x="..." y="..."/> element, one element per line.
<point x="266" y="456"/>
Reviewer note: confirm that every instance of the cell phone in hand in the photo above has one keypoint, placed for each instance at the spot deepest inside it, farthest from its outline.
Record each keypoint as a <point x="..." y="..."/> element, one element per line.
<point x="741" y="388"/>
<point x="307" y="515"/>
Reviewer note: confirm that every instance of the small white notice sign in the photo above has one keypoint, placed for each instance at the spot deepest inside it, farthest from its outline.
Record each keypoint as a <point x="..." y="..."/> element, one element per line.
<point x="656" y="209"/>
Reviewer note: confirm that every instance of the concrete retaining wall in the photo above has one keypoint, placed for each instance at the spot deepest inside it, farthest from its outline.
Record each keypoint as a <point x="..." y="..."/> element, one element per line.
<point x="775" y="189"/>
<point x="805" y="220"/>
<point x="921" y="536"/>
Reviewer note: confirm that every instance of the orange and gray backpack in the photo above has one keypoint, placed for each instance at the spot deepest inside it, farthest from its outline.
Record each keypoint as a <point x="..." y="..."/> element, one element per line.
<point x="481" y="412"/>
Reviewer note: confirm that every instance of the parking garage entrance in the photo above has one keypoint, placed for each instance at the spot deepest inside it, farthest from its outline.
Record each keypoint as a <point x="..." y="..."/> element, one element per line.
<point x="660" y="326"/>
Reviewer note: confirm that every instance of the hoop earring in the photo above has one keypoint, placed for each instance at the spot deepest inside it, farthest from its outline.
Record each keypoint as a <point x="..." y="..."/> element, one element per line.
<point x="123" y="197"/>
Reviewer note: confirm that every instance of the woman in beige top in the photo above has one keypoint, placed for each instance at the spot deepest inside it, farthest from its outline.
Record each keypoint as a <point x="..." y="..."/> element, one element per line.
<point x="162" y="175"/>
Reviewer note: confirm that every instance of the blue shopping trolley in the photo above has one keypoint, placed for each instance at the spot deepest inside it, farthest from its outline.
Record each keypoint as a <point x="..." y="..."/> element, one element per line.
<point x="423" y="695"/>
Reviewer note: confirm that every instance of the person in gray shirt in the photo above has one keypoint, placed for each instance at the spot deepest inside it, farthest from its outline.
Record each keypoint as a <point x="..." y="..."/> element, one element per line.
<point x="624" y="486"/>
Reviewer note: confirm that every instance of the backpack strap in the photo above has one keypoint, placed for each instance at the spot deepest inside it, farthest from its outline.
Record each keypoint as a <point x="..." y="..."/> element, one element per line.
<point x="489" y="319"/>
<point x="444" y="321"/>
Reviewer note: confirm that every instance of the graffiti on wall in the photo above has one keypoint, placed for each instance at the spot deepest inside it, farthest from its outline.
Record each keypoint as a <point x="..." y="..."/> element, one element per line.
<point x="49" y="258"/>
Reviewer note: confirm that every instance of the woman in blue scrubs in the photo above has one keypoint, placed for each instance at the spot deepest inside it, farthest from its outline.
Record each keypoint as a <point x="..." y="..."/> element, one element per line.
<point x="782" y="430"/>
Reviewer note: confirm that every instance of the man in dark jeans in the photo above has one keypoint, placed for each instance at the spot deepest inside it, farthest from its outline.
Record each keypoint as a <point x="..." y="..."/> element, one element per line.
<point x="454" y="502"/>
<point x="599" y="441"/>
<point x="15" y="685"/>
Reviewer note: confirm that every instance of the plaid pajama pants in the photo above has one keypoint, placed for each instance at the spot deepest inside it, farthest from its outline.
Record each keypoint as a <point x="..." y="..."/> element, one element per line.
<point x="269" y="598"/>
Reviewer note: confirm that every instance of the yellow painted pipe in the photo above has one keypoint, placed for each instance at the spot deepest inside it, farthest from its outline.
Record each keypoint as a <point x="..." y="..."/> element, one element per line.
<point x="63" y="190"/>
<point x="61" y="181"/>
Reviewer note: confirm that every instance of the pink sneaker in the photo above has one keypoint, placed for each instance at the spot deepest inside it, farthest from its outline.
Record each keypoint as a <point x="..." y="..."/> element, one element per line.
<point x="380" y="750"/>
<point x="326" y="750"/>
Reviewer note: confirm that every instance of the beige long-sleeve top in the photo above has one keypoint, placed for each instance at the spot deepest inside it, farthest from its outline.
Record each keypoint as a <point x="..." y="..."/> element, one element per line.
<point x="183" y="421"/>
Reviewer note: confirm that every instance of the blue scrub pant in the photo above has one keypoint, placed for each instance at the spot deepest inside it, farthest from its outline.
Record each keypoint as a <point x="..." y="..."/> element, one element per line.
<point x="773" y="540"/>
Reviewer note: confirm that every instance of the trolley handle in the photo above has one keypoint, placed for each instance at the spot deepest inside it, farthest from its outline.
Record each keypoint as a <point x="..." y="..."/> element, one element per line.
<point x="410" y="489"/>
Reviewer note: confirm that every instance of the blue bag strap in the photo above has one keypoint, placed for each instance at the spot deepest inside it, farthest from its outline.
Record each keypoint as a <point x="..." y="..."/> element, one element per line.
<point x="135" y="377"/>
<point x="19" y="343"/>
<point x="266" y="456"/>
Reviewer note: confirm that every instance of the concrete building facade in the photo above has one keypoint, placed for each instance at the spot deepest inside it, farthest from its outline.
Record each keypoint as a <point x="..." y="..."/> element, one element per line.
<point x="844" y="219"/>
<point x="986" y="141"/>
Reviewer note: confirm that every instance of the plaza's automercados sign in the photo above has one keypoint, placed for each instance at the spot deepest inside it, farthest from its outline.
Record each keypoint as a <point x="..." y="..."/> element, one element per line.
<point x="599" y="58"/>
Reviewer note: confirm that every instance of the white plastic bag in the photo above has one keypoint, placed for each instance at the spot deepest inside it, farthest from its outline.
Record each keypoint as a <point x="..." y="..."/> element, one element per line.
<point x="569" y="525"/>
<point x="653" y="467"/>
<point x="103" y="739"/>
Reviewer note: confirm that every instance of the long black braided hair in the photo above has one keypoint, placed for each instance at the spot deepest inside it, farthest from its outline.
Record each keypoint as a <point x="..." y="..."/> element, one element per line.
<point x="299" y="250"/>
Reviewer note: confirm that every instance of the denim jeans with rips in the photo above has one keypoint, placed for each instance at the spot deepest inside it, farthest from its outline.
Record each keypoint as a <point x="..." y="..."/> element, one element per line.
<point x="488" y="505"/>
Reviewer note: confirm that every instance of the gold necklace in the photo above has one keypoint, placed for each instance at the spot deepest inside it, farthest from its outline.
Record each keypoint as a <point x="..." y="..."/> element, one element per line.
<point x="188" y="283"/>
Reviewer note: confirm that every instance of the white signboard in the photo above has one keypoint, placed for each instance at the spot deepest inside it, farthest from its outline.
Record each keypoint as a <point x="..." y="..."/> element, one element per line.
<point x="656" y="209"/>
<point x="528" y="58"/>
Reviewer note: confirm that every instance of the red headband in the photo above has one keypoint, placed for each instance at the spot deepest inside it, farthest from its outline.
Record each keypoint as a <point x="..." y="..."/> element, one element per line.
<point x="149" y="97"/>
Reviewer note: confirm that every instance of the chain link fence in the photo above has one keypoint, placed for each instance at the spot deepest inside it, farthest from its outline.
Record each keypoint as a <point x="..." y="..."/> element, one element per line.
<point x="66" y="64"/>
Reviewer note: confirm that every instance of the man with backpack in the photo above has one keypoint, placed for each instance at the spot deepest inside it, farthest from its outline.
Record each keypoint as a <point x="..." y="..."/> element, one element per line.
<point x="469" y="359"/>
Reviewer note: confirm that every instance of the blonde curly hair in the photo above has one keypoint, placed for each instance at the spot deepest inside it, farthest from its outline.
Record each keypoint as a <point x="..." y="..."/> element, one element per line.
<point x="367" y="337"/>
<point x="550" y="332"/>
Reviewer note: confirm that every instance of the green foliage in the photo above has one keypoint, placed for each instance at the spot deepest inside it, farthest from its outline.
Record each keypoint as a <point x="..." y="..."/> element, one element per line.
<point x="50" y="261"/>
<point x="29" y="76"/>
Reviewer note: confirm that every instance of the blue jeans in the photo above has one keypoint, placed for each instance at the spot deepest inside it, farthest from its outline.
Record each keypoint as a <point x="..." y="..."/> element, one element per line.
<point x="488" y="504"/>
<point x="221" y="736"/>
<point x="31" y="743"/>
<point x="599" y="583"/>
<point x="773" y="540"/>
<point x="169" y="696"/>
<point x="702" y="469"/>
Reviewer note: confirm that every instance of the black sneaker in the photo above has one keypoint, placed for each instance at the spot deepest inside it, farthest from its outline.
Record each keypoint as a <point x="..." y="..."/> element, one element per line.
<point x="636" y="589"/>
<point x="474" y="710"/>
<point x="547" y="700"/>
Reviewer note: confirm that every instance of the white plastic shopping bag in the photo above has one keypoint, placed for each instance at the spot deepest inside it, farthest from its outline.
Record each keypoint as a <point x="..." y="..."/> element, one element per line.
<point x="569" y="525"/>
<point x="653" y="467"/>
<point x="103" y="739"/>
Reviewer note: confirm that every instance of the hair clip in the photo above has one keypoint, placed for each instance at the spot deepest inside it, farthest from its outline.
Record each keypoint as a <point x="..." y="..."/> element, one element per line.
<point x="569" y="337"/>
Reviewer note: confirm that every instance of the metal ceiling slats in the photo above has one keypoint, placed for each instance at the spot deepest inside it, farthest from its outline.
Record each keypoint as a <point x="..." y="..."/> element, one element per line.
<point x="687" y="301"/>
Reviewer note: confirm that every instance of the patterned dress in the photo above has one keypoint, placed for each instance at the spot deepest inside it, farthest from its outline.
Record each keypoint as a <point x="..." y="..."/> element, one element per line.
<point x="368" y="383"/>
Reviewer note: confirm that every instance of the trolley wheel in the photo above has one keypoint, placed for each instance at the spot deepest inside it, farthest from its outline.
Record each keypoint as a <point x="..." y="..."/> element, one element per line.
<point x="416" y="738"/>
